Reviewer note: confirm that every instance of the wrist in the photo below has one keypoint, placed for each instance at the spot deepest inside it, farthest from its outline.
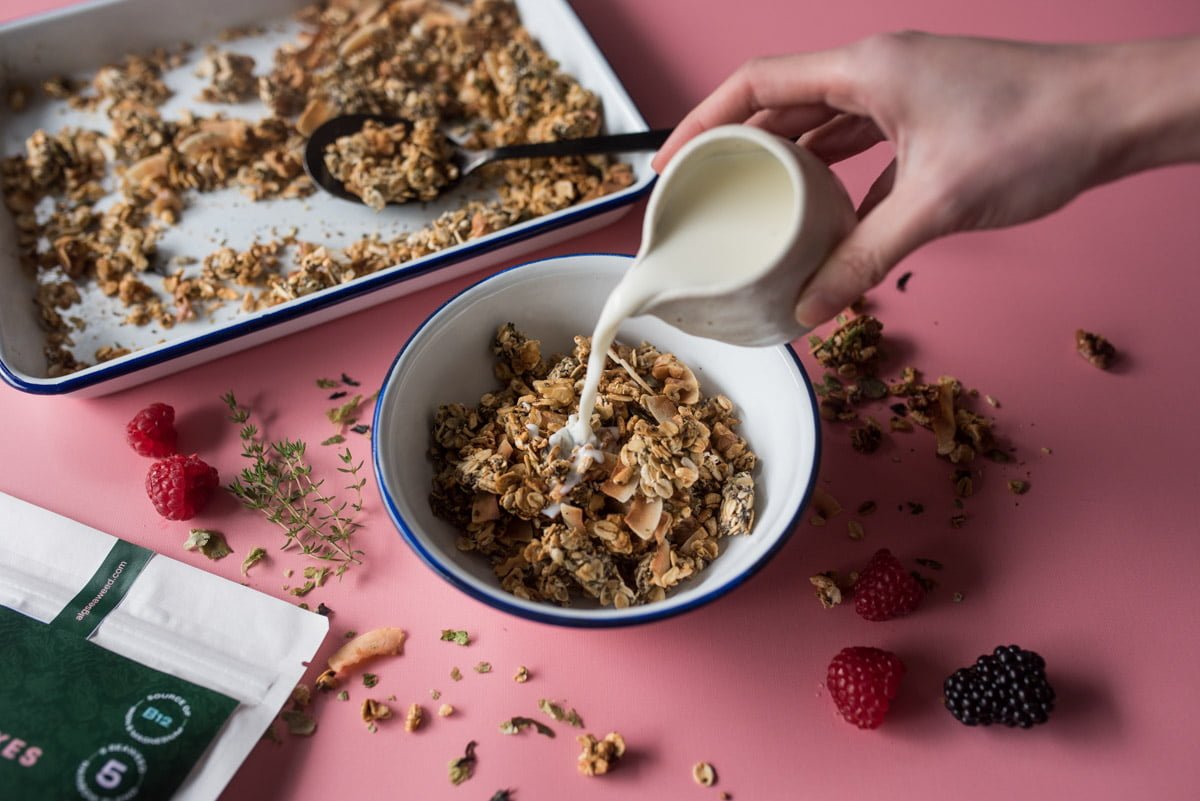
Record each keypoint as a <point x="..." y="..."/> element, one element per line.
<point x="1153" y="109"/>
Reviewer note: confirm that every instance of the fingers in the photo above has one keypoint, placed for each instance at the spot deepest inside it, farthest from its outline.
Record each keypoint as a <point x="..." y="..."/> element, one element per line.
<point x="895" y="227"/>
<point x="793" y="122"/>
<point x="842" y="137"/>
<point x="777" y="82"/>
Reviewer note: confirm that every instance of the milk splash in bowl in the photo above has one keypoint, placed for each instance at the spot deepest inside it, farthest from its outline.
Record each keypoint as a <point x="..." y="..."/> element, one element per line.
<point x="735" y="226"/>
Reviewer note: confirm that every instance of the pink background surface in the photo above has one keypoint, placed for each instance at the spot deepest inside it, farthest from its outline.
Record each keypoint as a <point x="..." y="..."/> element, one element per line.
<point x="1094" y="567"/>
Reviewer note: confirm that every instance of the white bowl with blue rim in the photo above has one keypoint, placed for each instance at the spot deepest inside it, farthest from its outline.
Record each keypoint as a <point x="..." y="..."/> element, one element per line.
<point x="448" y="360"/>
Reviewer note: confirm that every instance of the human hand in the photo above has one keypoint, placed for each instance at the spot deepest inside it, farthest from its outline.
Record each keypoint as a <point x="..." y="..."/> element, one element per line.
<point x="987" y="133"/>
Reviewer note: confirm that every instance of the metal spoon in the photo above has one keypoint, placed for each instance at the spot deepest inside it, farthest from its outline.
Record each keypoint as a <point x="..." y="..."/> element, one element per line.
<point x="466" y="160"/>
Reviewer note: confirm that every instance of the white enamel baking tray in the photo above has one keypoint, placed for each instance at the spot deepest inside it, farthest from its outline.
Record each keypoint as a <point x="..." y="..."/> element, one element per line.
<point x="80" y="39"/>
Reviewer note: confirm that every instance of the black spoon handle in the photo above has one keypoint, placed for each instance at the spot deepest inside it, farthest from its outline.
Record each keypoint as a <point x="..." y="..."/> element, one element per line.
<point x="614" y="143"/>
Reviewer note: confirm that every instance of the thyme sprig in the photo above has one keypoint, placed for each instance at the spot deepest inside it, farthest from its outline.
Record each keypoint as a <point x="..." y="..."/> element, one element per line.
<point x="279" y="482"/>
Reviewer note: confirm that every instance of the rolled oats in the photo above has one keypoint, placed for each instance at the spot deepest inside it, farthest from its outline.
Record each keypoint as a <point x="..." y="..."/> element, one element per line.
<point x="670" y="477"/>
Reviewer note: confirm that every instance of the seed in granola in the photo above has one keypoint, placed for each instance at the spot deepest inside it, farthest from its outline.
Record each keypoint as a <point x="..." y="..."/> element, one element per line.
<point x="414" y="718"/>
<point x="393" y="163"/>
<point x="704" y="774"/>
<point x="1018" y="487"/>
<point x="1096" y="349"/>
<point x="372" y="710"/>
<point x="522" y="675"/>
<point x="964" y="485"/>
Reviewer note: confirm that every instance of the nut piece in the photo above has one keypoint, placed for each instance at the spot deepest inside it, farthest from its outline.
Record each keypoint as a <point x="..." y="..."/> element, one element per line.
<point x="372" y="710"/>
<point x="415" y="716"/>
<point x="522" y="675"/>
<point x="1095" y="348"/>
<point x="828" y="592"/>
<point x="445" y="711"/>
<point x="600" y="756"/>
<point x="704" y="774"/>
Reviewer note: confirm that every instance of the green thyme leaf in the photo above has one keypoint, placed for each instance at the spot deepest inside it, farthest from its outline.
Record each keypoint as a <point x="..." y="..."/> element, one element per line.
<point x="346" y="413"/>
<point x="336" y="439"/>
<point x="208" y="542"/>
<point x="557" y="712"/>
<point x="459" y="636"/>
<point x="370" y="679"/>
<point x="343" y="696"/>
<point x="483" y="667"/>
<point x="255" y="556"/>
<point x="517" y="724"/>
<point x="326" y="383"/>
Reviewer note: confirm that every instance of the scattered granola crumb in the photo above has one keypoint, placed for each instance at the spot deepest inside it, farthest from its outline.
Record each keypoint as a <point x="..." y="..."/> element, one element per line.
<point x="522" y="675"/>
<point x="958" y="597"/>
<point x="301" y="695"/>
<point x="299" y="723"/>
<point x="483" y="667"/>
<point x="456" y="674"/>
<point x="867" y="438"/>
<point x="344" y="695"/>
<point x="457" y="636"/>
<point x="600" y="756"/>
<point x="866" y="508"/>
<point x="1047" y="451"/>
<point x="1096" y="349"/>
<point x="1018" y="487"/>
<point x="435" y="694"/>
<point x="995" y="404"/>
<point x="414" y="718"/>
<point x="958" y="520"/>
<point x="704" y="774"/>
<point x="828" y="592"/>
<point x="372" y="710"/>
<point x="445" y="711"/>
<point x="855" y="530"/>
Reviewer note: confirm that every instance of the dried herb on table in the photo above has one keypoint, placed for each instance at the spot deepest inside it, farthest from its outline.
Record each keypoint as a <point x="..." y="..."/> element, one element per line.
<point x="279" y="482"/>
<point x="518" y="724"/>
<point x="208" y="542"/>
<point x="462" y="768"/>
<point x="459" y="636"/>
<point x="255" y="556"/>
<point x="557" y="712"/>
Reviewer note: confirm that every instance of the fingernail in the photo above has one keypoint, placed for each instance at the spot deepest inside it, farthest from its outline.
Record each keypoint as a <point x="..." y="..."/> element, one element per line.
<point x="815" y="307"/>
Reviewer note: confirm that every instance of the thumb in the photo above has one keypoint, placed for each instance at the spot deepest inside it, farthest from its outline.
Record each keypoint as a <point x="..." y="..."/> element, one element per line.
<point x="895" y="227"/>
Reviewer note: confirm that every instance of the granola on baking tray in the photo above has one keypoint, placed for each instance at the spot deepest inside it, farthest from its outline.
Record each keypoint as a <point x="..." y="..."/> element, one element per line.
<point x="90" y="206"/>
<point x="668" y="479"/>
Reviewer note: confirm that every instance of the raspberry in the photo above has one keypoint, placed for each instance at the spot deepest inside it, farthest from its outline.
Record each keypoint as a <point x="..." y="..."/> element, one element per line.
<point x="862" y="682"/>
<point x="180" y="486"/>
<point x="885" y="590"/>
<point x="1008" y="686"/>
<point x="151" y="432"/>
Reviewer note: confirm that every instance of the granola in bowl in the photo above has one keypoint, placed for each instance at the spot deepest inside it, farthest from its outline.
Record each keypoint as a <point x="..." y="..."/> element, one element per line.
<point x="622" y="522"/>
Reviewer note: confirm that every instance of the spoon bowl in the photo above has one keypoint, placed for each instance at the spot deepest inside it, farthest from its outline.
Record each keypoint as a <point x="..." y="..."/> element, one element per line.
<point x="464" y="159"/>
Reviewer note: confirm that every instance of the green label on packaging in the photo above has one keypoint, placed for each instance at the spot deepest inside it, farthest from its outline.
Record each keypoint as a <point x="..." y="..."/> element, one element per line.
<point x="80" y="722"/>
<point x="105" y="590"/>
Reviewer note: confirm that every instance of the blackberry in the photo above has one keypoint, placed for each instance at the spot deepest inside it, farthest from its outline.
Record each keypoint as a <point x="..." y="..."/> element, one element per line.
<point x="1008" y="687"/>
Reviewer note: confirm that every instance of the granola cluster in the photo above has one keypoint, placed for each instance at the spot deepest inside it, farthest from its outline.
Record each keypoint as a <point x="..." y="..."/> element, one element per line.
<point x="393" y="163"/>
<point x="622" y="522"/>
<point x="439" y="64"/>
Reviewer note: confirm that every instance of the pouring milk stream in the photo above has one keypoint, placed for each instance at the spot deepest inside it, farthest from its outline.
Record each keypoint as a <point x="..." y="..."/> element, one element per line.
<point x="735" y="226"/>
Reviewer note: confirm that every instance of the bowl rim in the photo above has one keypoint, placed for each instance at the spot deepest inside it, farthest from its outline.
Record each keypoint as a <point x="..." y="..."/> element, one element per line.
<point x="637" y="615"/>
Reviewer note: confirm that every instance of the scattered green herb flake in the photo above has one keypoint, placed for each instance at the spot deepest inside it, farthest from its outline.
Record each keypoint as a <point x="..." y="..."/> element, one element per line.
<point x="462" y="767"/>
<point x="372" y="728"/>
<point x="1018" y="487"/>
<point x="998" y="456"/>
<point x="348" y="381"/>
<point x="324" y="610"/>
<point x="303" y="606"/>
<point x="339" y="394"/>
<point x="866" y="507"/>
<point x="318" y="574"/>
<point x="255" y="556"/>
<point x="456" y="674"/>
<point x="517" y="724"/>
<point x="483" y="667"/>
<point x="336" y="439"/>
<point x="459" y="636"/>
<point x="932" y="564"/>
<point x="958" y="597"/>
<point x="370" y="679"/>
<point x="502" y="795"/>
<point x="208" y="542"/>
<point x="351" y="634"/>
<point x="361" y="428"/>
<point x="326" y="383"/>
<point x="304" y="589"/>
<point x="346" y="413"/>
<point x="557" y="712"/>
<point x="873" y="388"/>
<point x="299" y="723"/>
<point x="926" y="583"/>
<point x="343" y="696"/>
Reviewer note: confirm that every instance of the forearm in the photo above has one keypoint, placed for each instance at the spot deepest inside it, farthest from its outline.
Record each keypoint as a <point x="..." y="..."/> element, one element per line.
<point x="1153" y="105"/>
